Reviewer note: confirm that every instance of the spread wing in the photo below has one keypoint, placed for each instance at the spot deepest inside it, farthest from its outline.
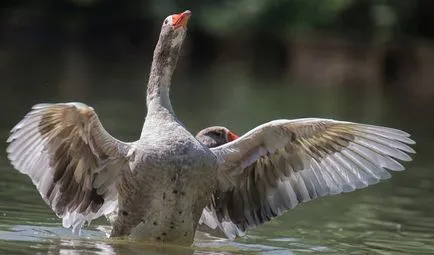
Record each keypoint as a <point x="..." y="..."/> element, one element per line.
<point x="70" y="158"/>
<point x="281" y="163"/>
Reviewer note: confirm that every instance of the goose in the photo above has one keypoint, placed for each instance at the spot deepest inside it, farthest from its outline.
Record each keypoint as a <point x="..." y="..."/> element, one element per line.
<point x="162" y="186"/>
<point x="215" y="136"/>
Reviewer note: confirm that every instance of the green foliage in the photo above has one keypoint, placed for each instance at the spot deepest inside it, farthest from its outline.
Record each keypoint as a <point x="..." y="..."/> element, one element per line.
<point x="383" y="18"/>
<point x="286" y="17"/>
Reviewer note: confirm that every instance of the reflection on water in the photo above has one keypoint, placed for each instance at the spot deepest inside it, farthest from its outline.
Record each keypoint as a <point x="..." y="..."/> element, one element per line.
<point x="392" y="217"/>
<point x="55" y="240"/>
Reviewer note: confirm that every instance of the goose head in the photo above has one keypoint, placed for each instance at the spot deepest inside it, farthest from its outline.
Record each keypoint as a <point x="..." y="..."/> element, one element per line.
<point x="174" y="30"/>
<point x="215" y="136"/>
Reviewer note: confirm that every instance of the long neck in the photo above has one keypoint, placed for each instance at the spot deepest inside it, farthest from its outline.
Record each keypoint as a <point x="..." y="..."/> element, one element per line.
<point x="163" y="65"/>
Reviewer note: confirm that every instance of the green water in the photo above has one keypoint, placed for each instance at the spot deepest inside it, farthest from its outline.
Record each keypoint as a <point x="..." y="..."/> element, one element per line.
<point x="393" y="217"/>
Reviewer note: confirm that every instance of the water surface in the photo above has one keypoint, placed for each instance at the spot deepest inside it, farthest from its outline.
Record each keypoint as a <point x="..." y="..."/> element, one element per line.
<point x="393" y="217"/>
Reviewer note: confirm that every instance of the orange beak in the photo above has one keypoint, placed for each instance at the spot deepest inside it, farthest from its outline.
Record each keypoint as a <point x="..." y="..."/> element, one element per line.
<point x="181" y="19"/>
<point x="232" y="136"/>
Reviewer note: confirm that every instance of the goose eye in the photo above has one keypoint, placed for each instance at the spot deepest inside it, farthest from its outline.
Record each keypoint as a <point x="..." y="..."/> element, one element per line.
<point x="166" y="21"/>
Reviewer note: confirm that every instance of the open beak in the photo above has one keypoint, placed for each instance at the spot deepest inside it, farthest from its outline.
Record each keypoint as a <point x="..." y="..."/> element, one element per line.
<point x="181" y="19"/>
<point x="232" y="136"/>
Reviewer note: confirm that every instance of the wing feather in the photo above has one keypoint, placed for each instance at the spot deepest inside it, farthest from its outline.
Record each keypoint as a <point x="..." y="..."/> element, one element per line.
<point x="281" y="163"/>
<point x="70" y="158"/>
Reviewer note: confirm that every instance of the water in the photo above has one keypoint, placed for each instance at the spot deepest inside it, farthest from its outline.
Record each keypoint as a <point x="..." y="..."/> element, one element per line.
<point x="393" y="217"/>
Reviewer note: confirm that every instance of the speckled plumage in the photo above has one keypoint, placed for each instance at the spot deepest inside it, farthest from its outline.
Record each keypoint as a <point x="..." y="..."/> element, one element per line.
<point x="158" y="198"/>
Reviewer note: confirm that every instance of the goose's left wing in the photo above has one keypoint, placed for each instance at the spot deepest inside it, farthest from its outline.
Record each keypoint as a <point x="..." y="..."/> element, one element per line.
<point x="281" y="163"/>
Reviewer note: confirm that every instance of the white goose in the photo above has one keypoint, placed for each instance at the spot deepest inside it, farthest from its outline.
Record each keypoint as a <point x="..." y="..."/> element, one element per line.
<point x="161" y="186"/>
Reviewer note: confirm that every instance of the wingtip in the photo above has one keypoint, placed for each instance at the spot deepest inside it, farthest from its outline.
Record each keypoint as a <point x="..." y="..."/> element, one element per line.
<point x="409" y="140"/>
<point x="40" y="106"/>
<point x="9" y="140"/>
<point x="399" y="167"/>
<point x="411" y="151"/>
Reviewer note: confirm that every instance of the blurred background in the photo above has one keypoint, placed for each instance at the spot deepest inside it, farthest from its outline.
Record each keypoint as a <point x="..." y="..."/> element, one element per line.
<point x="76" y="49"/>
<point x="243" y="63"/>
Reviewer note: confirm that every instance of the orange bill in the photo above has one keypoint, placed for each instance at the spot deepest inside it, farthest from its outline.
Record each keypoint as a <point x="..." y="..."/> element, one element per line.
<point x="181" y="19"/>
<point x="232" y="136"/>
